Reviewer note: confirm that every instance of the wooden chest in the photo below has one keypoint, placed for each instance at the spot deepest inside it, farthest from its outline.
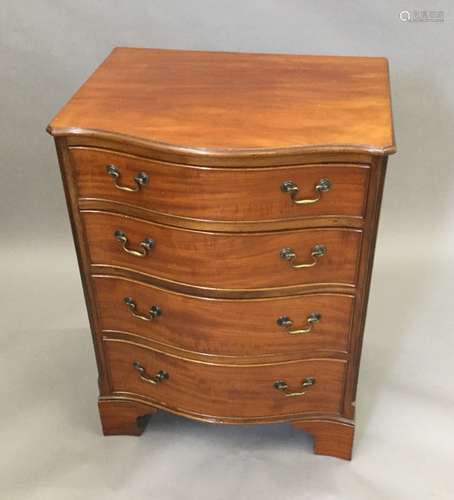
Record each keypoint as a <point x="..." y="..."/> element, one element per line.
<point x="224" y="209"/>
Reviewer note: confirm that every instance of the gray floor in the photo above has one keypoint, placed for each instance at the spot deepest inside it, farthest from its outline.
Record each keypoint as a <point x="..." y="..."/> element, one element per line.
<point x="51" y="442"/>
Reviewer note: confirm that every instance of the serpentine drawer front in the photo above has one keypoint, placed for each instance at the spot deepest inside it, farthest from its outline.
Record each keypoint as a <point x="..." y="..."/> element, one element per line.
<point x="223" y="391"/>
<point x="224" y="209"/>
<point x="258" y="194"/>
<point x="224" y="260"/>
<point x="225" y="327"/>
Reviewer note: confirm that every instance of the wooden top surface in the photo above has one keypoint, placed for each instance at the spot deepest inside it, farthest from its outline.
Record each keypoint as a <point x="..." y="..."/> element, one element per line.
<point x="218" y="101"/>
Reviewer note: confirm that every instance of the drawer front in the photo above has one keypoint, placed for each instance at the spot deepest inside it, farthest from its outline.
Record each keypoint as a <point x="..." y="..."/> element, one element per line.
<point x="226" y="390"/>
<point x="221" y="194"/>
<point x="224" y="260"/>
<point x="245" y="327"/>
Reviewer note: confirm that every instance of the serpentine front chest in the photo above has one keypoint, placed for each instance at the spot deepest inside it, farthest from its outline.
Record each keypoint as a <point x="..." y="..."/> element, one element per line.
<point x="224" y="209"/>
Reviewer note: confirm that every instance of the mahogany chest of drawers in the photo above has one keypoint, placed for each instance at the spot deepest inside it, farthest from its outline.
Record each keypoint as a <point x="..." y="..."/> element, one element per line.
<point x="224" y="208"/>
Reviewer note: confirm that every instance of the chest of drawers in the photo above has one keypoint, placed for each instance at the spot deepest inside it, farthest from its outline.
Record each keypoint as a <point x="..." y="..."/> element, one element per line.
<point x="224" y="209"/>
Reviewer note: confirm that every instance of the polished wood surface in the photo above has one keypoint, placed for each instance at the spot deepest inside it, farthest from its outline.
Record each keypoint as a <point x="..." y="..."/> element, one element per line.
<point x="218" y="134"/>
<point x="227" y="327"/>
<point x="222" y="158"/>
<point x="217" y="390"/>
<point x="217" y="195"/>
<point x="121" y="417"/>
<point x="221" y="260"/>
<point x="208" y="101"/>
<point x="331" y="437"/>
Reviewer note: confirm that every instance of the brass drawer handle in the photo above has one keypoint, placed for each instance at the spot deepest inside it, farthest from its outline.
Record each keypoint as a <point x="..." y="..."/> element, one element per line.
<point x="145" y="246"/>
<point x="151" y="379"/>
<point x="323" y="186"/>
<point x="141" y="179"/>
<point x="317" y="252"/>
<point x="281" y="385"/>
<point x="153" y="312"/>
<point x="286" y="322"/>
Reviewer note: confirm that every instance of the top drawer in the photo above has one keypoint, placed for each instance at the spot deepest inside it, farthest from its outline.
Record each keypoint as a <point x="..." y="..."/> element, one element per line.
<point x="222" y="194"/>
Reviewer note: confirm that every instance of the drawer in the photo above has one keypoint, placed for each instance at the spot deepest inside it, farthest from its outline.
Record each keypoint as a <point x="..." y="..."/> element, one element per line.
<point x="225" y="390"/>
<point x="224" y="260"/>
<point x="218" y="194"/>
<point x="225" y="327"/>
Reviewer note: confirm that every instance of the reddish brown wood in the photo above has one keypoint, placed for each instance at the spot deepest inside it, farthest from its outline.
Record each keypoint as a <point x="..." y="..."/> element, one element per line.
<point x="222" y="260"/>
<point x="247" y="120"/>
<point x="219" y="226"/>
<point x="232" y="158"/>
<point x="225" y="327"/>
<point x="123" y="417"/>
<point x="82" y="255"/>
<point x="215" y="100"/>
<point x="364" y="277"/>
<point x="333" y="438"/>
<point x="215" y="194"/>
<point x="221" y="390"/>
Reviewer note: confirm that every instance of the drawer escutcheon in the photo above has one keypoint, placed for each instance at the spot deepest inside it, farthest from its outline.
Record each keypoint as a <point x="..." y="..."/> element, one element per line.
<point x="145" y="246"/>
<point x="141" y="179"/>
<point x="290" y="255"/>
<point x="323" y="186"/>
<point x="159" y="377"/>
<point x="153" y="312"/>
<point x="281" y="385"/>
<point x="286" y="322"/>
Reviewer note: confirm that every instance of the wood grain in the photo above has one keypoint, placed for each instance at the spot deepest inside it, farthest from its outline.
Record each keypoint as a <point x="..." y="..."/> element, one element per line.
<point x="223" y="260"/>
<point x="208" y="101"/>
<point x="218" y="226"/>
<point x="222" y="390"/>
<point x="225" y="327"/>
<point x="80" y="244"/>
<point x="120" y="417"/>
<point x="214" y="194"/>
<point x="232" y="158"/>
<point x="331" y="437"/>
<point x="217" y="133"/>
